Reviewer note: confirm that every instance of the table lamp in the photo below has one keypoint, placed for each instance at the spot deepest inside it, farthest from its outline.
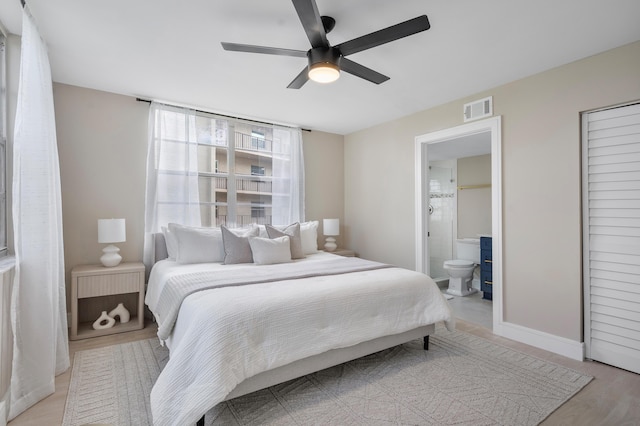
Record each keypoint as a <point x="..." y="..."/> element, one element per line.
<point x="111" y="231"/>
<point x="331" y="228"/>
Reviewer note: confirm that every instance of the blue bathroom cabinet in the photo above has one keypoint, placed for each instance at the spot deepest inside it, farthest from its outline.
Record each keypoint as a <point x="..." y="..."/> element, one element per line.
<point x="486" y="268"/>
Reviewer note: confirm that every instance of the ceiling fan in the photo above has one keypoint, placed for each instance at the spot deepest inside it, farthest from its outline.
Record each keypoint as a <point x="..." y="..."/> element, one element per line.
<point x="326" y="61"/>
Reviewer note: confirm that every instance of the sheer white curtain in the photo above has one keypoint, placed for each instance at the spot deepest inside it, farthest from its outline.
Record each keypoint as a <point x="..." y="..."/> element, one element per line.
<point x="173" y="191"/>
<point x="38" y="312"/>
<point x="288" y="176"/>
<point x="172" y="172"/>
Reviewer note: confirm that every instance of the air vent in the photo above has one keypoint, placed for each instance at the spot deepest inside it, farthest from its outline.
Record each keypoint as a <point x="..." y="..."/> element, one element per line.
<point x="478" y="109"/>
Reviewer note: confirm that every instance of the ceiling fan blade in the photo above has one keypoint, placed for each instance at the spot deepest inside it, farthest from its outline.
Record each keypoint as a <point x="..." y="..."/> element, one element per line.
<point x="361" y="71"/>
<point x="311" y="22"/>
<point x="394" y="32"/>
<point x="300" y="80"/>
<point x="235" y="47"/>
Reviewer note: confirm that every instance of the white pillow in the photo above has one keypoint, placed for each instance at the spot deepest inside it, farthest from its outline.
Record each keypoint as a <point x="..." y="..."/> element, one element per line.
<point x="197" y="245"/>
<point x="170" y="241"/>
<point x="309" y="236"/>
<point x="293" y="232"/>
<point x="267" y="251"/>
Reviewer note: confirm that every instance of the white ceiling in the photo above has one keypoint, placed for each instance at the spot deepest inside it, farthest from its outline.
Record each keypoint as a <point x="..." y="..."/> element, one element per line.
<point x="170" y="50"/>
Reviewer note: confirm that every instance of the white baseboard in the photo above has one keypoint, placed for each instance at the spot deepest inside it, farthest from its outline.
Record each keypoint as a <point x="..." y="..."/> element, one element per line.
<point x="539" y="339"/>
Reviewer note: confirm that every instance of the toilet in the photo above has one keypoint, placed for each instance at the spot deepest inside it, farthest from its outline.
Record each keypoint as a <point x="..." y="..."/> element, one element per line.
<point x="461" y="269"/>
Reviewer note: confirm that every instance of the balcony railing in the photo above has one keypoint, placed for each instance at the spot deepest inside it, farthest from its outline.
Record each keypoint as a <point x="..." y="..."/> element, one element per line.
<point x="250" y="185"/>
<point x="221" y="183"/>
<point x="253" y="185"/>
<point x="252" y="143"/>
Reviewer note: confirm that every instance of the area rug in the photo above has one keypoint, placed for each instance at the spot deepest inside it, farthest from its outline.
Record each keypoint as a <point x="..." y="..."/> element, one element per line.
<point x="462" y="379"/>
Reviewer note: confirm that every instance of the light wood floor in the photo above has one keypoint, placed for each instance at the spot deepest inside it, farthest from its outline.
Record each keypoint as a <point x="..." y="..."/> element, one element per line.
<point x="50" y="410"/>
<point x="612" y="398"/>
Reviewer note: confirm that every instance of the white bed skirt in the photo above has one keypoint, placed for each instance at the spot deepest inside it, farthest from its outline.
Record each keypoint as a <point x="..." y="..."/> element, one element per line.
<point x="325" y="360"/>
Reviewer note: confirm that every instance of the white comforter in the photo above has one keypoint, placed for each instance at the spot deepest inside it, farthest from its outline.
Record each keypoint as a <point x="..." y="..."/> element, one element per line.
<point x="225" y="335"/>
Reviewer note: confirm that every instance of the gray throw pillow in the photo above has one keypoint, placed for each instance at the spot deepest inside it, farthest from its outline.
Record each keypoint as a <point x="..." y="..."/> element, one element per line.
<point x="293" y="232"/>
<point x="236" y="247"/>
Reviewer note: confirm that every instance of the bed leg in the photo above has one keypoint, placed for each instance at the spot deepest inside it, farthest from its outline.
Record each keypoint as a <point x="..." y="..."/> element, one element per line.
<point x="200" y="422"/>
<point x="426" y="343"/>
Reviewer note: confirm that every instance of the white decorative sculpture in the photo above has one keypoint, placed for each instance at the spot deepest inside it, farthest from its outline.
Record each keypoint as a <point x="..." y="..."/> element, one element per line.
<point x="121" y="312"/>
<point x="103" y="322"/>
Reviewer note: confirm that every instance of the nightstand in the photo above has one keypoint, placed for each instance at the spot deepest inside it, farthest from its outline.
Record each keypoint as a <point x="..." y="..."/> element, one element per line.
<point x="95" y="288"/>
<point x="344" y="252"/>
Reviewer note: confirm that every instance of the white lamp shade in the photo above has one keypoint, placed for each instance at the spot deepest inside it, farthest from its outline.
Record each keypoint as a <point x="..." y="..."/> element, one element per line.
<point x="331" y="226"/>
<point x="111" y="231"/>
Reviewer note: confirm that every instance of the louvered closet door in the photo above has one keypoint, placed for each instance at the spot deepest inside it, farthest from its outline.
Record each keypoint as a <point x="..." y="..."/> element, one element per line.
<point x="611" y="200"/>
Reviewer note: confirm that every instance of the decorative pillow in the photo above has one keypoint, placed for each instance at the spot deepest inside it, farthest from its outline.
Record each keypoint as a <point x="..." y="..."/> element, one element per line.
<point x="262" y="231"/>
<point x="293" y="232"/>
<point x="197" y="245"/>
<point x="236" y="245"/>
<point x="170" y="241"/>
<point x="309" y="237"/>
<point x="267" y="251"/>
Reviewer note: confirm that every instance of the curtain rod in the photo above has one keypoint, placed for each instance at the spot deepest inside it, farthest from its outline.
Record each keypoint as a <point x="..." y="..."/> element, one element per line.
<point x="224" y="115"/>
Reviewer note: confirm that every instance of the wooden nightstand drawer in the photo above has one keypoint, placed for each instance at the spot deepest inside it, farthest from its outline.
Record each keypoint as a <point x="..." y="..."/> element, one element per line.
<point x="102" y="285"/>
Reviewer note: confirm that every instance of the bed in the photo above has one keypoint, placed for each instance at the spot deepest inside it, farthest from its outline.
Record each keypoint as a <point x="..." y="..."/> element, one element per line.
<point x="234" y="328"/>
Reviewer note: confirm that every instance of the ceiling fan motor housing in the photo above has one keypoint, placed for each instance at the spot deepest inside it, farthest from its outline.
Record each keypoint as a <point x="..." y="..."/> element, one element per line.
<point x="324" y="55"/>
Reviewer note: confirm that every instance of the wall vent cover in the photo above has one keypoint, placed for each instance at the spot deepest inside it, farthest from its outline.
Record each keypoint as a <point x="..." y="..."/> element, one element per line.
<point x="478" y="109"/>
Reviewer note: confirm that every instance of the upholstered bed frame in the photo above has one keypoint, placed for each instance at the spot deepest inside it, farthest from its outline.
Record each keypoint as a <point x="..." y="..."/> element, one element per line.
<point x="314" y="363"/>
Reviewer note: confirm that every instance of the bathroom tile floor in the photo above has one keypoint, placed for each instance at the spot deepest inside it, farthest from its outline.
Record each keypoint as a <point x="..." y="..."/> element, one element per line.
<point x="473" y="309"/>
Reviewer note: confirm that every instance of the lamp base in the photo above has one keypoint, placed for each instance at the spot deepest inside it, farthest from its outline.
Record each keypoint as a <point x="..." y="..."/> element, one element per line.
<point x="110" y="257"/>
<point x="330" y="244"/>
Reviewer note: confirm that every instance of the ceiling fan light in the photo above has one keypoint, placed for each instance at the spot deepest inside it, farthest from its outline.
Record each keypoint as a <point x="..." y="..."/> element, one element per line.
<point x="324" y="72"/>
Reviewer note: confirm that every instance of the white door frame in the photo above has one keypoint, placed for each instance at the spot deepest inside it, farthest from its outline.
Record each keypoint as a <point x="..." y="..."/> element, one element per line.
<point x="422" y="193"/>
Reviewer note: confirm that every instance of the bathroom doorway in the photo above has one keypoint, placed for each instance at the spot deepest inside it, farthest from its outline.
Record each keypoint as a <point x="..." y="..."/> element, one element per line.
<point x="436" y="189"/>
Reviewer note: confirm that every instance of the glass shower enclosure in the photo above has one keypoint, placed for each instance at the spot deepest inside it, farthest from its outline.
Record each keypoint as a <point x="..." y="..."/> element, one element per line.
<point x="442" y="216"/>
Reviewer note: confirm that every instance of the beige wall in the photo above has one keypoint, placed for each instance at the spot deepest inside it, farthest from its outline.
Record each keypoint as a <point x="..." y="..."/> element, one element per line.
<point x="102" y="145"/>
<point x="474" y="204"/>
<point x="324" y="177"/>
<point x="541" y="183"/>
<point x="102" y="141"/>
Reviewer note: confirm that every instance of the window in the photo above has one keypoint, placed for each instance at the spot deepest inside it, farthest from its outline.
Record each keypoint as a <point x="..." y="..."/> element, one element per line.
<point x="257" y="210"/>
<point x="258" y="140"/>
<point x="228" y="192"/>
<point x="207" y="170"/>
<point x="3" y="147"/>
<point x="257" y="170"/>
